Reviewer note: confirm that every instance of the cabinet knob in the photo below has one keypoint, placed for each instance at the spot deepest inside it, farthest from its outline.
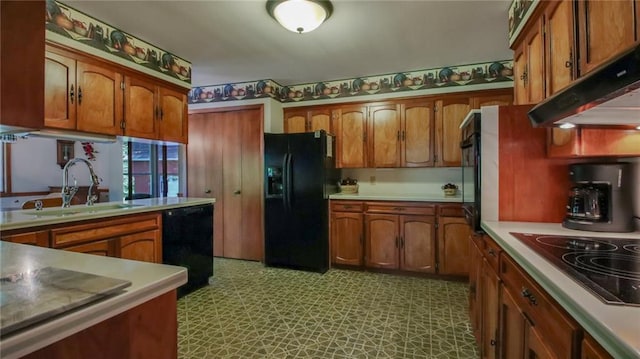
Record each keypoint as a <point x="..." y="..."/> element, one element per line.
<point x="237" y="191"/>
<point x="527" y="294"/>
<point x="568" y="64"/>
<point x="493" y="342"/>
<point x="491" y="252"/>
<point x="207" y="191"/>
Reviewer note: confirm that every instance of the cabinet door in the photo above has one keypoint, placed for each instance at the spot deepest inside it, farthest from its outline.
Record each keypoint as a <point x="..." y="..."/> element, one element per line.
<point x="417" y="134"/>
<point x="38" y="238"/>
<point x="562" y="142"/>
<point x="346" y="238"/>
<point x="99" y="99"/>
<point x="490" y="310"/>
<point x="606" y="28"/>
<point x="512" y="326"/>
<point x="383" y="239"/>
<point x="453" y="246"/>
<point x="475" y="292"/>
<point x="295" y="121"/>
<point x="320" y="119"/>
<point x="59" y="91"/>
<point x="559" y="47"/>
<point x="537" y="348"/>
<point x="417" y="243"/>
<point x="349" y="123"/>
<point x="100" y="248"/>
<point x="534" y="52"/>
<point x="144" y="246"/>
<point x="491" y="100"/>
<point x="384" y="136"/>
<point x="592" y="350"/>
<point x="449" y="115"/>
<point x="173" y="115"/>
<point x="520" y="76"/>
<point x="140" y="108"/>
<point x="609" y="142"/>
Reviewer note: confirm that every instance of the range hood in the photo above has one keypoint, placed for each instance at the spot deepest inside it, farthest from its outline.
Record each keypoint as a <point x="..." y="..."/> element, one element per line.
<point x="609" y="96"/>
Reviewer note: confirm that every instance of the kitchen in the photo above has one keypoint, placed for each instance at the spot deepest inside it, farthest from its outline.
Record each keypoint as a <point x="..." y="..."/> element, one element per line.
<point x="381" y="178"/>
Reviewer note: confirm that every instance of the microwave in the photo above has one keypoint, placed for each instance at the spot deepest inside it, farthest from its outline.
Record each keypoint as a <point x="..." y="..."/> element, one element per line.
<point x="470" y="150"/>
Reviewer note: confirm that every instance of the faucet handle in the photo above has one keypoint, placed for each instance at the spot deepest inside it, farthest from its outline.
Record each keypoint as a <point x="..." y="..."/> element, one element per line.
<point x="38" y="205"/>
<point x="91" y="199"/>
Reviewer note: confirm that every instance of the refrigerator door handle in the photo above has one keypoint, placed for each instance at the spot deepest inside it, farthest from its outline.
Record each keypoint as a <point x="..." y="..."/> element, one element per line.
<point x="289" y="180"/>
<point x="285" y="185"/>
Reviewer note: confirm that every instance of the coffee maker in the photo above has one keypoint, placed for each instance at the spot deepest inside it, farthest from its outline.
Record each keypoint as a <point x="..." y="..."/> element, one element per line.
<point x="600" y="198"/>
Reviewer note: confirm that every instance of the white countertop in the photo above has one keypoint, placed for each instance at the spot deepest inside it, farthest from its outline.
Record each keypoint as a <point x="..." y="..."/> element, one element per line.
<point x="31" y="218"/>
<point x="615" y="327"/>
<point x="419" y="197"/>
<point x="148" y="280"/>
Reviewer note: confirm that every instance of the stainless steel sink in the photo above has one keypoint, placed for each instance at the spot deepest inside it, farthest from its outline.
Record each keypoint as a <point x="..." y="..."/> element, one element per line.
<point x="73" y="210"/>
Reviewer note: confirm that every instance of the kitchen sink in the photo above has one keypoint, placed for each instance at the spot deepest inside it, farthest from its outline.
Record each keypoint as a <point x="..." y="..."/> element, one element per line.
<point x="73" y="210"/>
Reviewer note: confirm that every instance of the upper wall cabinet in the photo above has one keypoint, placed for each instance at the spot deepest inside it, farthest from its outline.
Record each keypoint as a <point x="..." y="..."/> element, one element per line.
<point x="350" y="124"/>
<point x="559" y="48"/>
<point x="529" y="66"/>
<point x="22" y="70"/>
<point x="307" y="119"/>
<point x="80" y="95"/>
<point x="384" y="135"/>
<point x="89" y="95"/>
<point x="450" y="113"/>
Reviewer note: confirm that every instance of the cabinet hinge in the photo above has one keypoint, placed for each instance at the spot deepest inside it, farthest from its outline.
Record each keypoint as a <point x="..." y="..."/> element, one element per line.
<point x="123" y="124"/>
<point x="437" y="225"/>
<point x="435" y="108"/>
<point x="122" y="85"/>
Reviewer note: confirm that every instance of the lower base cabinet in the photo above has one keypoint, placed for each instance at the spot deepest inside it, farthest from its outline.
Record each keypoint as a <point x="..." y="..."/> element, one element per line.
<point x="347" y="238"/>
<point x="453" y="245"/>
<point x="592" y="350"/>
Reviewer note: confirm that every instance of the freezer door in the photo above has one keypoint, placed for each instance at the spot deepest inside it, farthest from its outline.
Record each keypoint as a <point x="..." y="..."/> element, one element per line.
<point x="276" y="220"/>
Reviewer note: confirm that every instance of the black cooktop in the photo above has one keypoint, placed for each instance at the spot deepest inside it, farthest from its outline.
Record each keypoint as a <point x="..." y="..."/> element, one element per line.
<point x="609" y="267"/>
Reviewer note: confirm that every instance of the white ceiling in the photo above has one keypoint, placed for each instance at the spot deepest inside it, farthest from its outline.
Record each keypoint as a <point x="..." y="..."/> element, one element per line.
<point x="236" y="41"/>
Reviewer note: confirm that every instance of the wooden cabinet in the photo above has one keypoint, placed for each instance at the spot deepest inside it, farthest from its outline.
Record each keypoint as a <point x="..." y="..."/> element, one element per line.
<point x="605" y="29"/>
<point x="106" y="248"/>
<point x="173" y="115"/>
<point x="347" y="236"/>
<point x="592" y="350"/>
<point x="37" y="238"/>
<point x="490" y="306"/>
<point x="512" y="327"/>
<point x="141" y="246"/>
<point x="417" y="136"/>
<point x="22" y="70"/>
<point x="453" y="246"/>
<point x="559" y="49"/>
<point x="81" y="95"/>
<point x="589" y="142"/>
<point x="449" y="114"/>
<point x="475" y="284"/>
<point x="349" y="123"/>
<point x="307" y="119"/>
<point x="496" y="98"/>
<point x="529" y="86"/>
<point x="400" y="236"/>
<point x="384" y="136"/>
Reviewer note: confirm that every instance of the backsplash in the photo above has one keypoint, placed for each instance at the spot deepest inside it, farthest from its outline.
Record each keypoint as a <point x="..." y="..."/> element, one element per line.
<point x="404" y="180"/>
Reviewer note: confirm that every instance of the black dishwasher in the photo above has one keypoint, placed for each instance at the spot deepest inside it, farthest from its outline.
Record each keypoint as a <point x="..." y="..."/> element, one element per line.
<point x="187" y="241"/>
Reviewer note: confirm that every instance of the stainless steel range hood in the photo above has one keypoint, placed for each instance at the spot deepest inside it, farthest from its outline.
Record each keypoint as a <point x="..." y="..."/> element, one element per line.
<point x="609" y="96"/>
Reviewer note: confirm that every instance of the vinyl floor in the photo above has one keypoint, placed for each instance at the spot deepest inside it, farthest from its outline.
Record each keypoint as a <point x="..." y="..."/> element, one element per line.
<point x="251" y="311"/>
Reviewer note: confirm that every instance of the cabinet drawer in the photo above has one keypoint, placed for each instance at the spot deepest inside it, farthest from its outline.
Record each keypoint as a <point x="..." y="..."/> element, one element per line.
<point x="450" y="210"/>
<point x="346" y="206"/>
<point x="39" y="238"/>
<point x="400" y="208"/>
<point x="557" y="328"/>
<point x="93" y="231"/>
<point x="491" y="251"/>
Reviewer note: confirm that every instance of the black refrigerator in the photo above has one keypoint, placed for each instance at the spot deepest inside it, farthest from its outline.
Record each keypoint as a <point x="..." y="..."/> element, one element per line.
<point x="300" y="175"/>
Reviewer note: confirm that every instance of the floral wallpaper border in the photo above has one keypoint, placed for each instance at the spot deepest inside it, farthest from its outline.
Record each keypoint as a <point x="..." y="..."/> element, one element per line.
<point x="75" y="25"/>
<point x="519" y="12"/>
<point x="449" y="76"/>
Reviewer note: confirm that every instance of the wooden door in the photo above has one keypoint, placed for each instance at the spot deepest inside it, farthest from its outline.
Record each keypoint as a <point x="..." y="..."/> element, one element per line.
<point x="512" y="326"/>
<point x="384" y="136"/>
<point x="144" y="246"/>
<point x="490" y="310"/>
<point x="609" y="142"/>
<point x="60" y="91"/>
<point x="173" y="115"/>
<point x="349" y="123"/>
<point x="475" y="292"/>
<point x="534" y="53"/>
<point x="204" y="161"/>
<point x="450" y="113"/>
<point x="559" y="46"/>
<point x="606" y="28"/>
<point x="38" y="238"/>
<point x="140" y="108"/>
<point x="536" y="347"/>
<point x="100" y="248"/>
<point x="99" y="99"/>
<point x="320" y="119"/>
<point x="417" y="143"/>
<point x="347" y="239"/>
<point x="520" y="76"/>
<point x="417" y="243"/>
<point x="592" y="350"/>
<point x="491" y="100"/>
<point x="295" y="121"/>
<point x="563" y="142"/>
<point x="453" y="246"/>
<point x="382" y="240"/>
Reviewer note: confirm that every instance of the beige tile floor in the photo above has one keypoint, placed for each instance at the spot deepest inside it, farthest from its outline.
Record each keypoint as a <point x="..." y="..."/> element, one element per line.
<point x="250" y="311"/>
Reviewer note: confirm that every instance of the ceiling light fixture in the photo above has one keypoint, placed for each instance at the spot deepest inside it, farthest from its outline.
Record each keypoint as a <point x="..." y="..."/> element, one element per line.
<point x="567" y="125"/>
<point x="299" y="15"/>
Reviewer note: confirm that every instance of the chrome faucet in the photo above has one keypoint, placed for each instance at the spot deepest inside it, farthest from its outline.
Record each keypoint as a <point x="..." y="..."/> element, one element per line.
<point x="69" y="191"/>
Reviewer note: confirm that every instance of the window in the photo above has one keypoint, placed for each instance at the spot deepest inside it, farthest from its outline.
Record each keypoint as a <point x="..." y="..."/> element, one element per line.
<point x="150" y="169"/>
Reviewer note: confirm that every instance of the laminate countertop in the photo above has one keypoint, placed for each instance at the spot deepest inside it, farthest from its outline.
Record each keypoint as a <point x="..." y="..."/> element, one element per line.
<point x="615" y="327"/>
<point x="416" y="197"/>
<point x="148" y="281"/>
<point x="50" y="216"/>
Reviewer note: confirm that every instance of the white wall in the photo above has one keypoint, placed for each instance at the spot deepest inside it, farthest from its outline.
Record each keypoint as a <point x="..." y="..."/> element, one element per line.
<point x="404" y="180"/>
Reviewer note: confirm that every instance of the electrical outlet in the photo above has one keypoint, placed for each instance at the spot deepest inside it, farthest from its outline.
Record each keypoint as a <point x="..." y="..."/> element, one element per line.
<point x="372" y="180"/>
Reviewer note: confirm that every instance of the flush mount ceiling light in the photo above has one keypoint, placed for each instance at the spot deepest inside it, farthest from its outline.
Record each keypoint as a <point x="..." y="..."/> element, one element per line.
<point x="299" y="15"/>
